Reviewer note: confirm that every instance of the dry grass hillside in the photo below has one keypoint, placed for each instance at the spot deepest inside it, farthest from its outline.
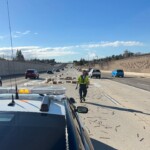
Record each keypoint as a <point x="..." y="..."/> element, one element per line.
<point x="132" y="64"/>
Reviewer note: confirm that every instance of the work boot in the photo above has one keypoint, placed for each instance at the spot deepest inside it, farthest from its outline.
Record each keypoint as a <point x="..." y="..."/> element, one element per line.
<point x="80" y="100"/>
<point x="83" y="99"/>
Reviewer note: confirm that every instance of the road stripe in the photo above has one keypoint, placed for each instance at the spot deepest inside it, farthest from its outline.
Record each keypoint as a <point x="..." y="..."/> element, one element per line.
<point x="143" y="84"/>
<point x="112" y="99"/>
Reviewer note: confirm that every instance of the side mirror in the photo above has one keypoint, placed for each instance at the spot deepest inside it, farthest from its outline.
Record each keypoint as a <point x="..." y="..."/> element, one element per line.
<point x="72" y="101"/>
<point x="82" y="109"/>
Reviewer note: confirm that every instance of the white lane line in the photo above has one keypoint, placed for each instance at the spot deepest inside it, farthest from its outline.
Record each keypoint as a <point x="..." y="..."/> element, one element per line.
<point x="143" y="84"/>
<point x="107" y="96"/>
<point x="112" y="99"/>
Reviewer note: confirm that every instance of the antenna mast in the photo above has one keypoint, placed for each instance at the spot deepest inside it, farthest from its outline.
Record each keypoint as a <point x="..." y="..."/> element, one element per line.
<point x="11" y="44"/>
<point x="10" y="32"/>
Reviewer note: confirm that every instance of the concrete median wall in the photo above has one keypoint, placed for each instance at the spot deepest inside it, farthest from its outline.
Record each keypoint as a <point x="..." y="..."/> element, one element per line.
<point x="14" y="68"/>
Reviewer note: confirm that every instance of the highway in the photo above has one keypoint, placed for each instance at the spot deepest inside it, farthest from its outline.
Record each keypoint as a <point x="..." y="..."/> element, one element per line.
<point x="138" y="82"/>
<point x="118" y="115"/>
<point x="20" y="79"/>
<point x="119" y="109"/>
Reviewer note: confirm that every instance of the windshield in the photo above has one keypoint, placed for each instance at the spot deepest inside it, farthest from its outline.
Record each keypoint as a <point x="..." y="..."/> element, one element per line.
<point x="120" y="71"/>
<point x="96" y="71"/>
<point x="23" y="132"/>
<point x="30" y="71"/>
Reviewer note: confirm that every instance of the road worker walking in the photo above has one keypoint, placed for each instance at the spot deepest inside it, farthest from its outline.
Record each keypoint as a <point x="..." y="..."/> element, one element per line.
<point x="83" y="82"/>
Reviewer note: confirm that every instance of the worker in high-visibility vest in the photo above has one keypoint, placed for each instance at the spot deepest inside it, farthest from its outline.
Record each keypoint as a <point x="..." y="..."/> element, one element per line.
<point x="83" y="82"/>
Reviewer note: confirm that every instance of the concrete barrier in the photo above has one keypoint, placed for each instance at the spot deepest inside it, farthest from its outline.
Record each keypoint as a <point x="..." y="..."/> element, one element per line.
<point x="10" y="68"/>
<point x="15" y="68"/>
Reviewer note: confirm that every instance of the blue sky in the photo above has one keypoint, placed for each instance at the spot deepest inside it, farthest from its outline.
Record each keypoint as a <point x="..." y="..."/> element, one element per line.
<point x="68" y="30"/>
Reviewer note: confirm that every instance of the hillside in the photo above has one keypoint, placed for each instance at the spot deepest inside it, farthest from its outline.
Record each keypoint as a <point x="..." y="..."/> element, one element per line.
<point x="131" y="64"/>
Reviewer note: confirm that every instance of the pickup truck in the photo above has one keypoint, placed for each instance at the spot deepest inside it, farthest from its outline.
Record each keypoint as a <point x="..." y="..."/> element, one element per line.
<point x="95" y="73"/>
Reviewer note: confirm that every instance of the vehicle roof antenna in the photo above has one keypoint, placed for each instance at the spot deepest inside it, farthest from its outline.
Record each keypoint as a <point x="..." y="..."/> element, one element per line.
<point x="11" y="43"/>
<point x="12" y="103"/>
<point x="16" y="94"/>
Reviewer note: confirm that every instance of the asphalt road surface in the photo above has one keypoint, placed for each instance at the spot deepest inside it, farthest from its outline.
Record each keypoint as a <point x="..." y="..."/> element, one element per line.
<point x="138" y="82"/>
<point x="21" y="80"/>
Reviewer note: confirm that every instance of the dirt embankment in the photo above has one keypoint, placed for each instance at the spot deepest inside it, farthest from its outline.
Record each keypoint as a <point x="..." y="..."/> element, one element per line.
<point x="140" y="64"/>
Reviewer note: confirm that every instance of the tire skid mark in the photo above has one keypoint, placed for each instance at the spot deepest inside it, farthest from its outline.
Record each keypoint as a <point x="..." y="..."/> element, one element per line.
<point x="112" y="99"/>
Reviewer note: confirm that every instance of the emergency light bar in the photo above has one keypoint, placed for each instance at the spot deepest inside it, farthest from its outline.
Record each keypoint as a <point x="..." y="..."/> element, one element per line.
<point x="51" y="90"/>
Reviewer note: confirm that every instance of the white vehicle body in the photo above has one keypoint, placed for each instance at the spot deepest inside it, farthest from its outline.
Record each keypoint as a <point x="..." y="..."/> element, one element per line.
<point x="40" y="118"/>
<point x="32" y="117"/>
<point x="0" y="81"/>
<point x="95" y="73"/>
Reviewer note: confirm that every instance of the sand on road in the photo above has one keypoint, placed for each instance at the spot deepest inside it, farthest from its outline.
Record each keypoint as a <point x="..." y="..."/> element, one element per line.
<point x="118" y="117"/>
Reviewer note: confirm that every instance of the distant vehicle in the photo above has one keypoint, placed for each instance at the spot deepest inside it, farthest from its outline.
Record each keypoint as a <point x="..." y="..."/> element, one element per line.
<point x="41" y="118"/>
<point x="0" y="81"/>
<point x="117" y="73"/>
<point x="50" y="72"/>
<point x="95" y="73"/>
<point x="32" y="73"/>
<point x="57" y="70"/>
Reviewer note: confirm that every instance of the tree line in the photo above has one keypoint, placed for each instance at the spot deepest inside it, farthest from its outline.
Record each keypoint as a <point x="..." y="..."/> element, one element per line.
<point x="20" y="57"/>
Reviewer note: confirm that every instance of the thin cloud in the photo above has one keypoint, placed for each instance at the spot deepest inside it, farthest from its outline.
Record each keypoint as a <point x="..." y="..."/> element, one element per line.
<point x="48" y="52"/>
<point x="113" y="44"/>
<point x="16" y="36"/>
<point x="19" y="34"/>
<point x="92" y="55"/>
<point x="19" y="47"/>
<point x="40" y="52"/>
<point x="2" y="37"/>
<point x="26" y="32"/>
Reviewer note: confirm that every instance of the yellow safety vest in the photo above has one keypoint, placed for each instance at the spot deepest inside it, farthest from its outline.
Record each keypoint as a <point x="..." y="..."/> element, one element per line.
<point x="82" y="80"/>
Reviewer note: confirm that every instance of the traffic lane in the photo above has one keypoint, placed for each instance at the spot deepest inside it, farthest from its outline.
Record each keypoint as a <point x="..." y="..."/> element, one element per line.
<point x="12" y="81"/>
<point x="138" y="82"/>
<point x="21" y="80"/>
<point x="124" y="95"/>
